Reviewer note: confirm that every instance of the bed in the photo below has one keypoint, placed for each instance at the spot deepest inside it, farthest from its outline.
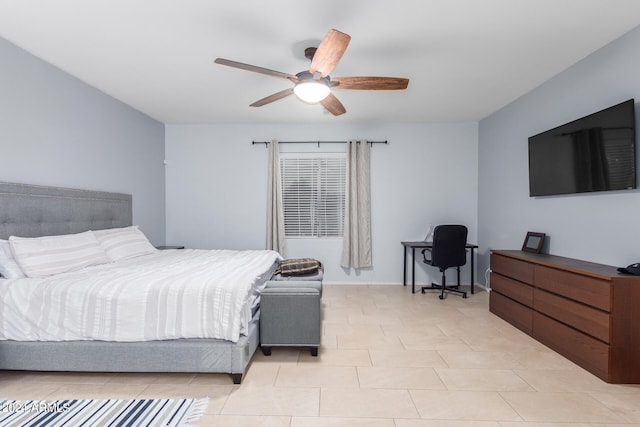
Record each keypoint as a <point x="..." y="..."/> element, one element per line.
<point x="34" y="211"/>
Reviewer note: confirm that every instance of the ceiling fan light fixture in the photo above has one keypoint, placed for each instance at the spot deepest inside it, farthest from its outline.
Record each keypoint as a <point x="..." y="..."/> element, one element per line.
<point x="311" y="91"/>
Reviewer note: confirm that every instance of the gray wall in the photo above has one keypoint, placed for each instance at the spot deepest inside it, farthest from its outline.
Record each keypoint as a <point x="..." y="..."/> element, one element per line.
<point x="216" y="188"/>
<point x="57" y="130"/>
<point x="598" y="227"/>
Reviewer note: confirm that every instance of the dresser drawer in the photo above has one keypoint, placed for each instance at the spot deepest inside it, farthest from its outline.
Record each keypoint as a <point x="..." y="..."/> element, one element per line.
<point x="513" y="312"/>
<point x="513" y="289"/>
<point x="588" y="290"/>
<point x="579" y="316"/>
<point x="519" y="270"/>
<point x="588" y="352"/>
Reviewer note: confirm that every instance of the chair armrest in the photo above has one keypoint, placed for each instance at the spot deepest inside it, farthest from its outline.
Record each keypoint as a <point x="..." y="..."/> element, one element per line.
<point x="424" y="256"/>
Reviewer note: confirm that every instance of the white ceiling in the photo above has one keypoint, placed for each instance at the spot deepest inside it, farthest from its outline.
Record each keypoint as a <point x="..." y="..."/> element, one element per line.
<point x="465" y="58"/>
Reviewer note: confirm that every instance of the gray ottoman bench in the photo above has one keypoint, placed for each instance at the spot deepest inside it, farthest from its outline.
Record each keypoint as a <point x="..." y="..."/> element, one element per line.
<point x="290" y="314"/>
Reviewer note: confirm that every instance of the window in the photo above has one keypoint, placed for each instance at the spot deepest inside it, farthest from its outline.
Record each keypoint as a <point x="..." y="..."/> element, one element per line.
<point x="313" y="187"/>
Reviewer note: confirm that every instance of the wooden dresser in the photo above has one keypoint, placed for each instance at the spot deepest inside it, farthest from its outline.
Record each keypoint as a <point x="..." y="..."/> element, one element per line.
<point x="587" y="312"/>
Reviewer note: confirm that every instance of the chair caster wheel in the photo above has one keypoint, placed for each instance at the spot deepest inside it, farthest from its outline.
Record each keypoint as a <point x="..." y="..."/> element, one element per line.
<point x="440" y="296"/>
<point x="464" y="296"/>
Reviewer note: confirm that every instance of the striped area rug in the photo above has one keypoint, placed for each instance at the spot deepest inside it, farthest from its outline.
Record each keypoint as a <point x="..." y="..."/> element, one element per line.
<point x="93" y="413"/>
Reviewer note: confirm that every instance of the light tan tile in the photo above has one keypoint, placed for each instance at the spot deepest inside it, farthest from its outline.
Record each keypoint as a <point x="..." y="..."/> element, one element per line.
<point x="545" y="359"/>
<point x="273" y="401"/>
<point x="449" y="423"/>
<point x="208" y="379"/>
<point x="466" y="327"/>
<point x="563" y="380"/>
<point x="625" y="404"/>
<point x="341" y="422"/>
<point x="368" y="341"/>
<point x="496" y="342"/>
<point x="374" y="319"/>
<point x="412" y="329"/>
<point x="560" y="407"/>
<point x="352" y="303"/>
<point x="329" y="341"/>
<point x="419" y="341"/>
<point x="129" y="378"/>
<point x="399" y="378"/>
<point x="21" y="390"/>
<point x="99" y="391"/>
<point x="463" y="405"/>
<point x="365" y="403"/>
<point x="407" y="358"/>
<point x="534" y="424"/>
<point x="261" y="374"/>
<point x="332" y="329"/>
<point x="173" y="378"/>
<point x="14" y="376"/>
<point x="337" y="357"/>
<point x="209" y="420"/>
<point x="337" y="316"/>
<point x="316" y="376"/>
<point x="479" y="359"/>
<point x="482" y="379"/>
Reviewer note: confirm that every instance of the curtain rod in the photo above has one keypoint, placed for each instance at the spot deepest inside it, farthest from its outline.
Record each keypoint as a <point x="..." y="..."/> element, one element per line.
<point x="266" y="143"/>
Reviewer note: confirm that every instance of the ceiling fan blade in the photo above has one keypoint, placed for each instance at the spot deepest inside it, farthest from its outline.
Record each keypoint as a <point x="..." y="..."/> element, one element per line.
<point x="329" y="52"/>
<point x="255" y="69"/>
<point x="333" y="105"/>
<point x="370" y="83"/>
<point x="272" y="98"/>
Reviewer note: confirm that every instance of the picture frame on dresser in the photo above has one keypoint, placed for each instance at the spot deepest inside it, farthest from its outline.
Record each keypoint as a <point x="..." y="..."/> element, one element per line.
<point x="533" y="242"/>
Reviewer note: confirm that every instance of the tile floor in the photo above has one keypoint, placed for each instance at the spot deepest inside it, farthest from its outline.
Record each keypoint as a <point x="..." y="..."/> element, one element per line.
<point x="388" y="358"/>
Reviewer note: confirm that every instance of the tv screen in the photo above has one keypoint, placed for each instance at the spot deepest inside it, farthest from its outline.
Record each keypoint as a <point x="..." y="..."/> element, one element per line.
<point x="594" y="153"/>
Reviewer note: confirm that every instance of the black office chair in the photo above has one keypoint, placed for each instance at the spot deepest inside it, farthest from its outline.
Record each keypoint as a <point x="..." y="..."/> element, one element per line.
<point x="448" y="251"/>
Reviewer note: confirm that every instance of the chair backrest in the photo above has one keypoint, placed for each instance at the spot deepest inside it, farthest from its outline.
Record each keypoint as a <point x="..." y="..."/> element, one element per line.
<point x="449" y="246"/>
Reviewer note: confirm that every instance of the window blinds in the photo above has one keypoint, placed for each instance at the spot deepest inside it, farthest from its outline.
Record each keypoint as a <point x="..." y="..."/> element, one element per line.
<point x="313" y="189"/>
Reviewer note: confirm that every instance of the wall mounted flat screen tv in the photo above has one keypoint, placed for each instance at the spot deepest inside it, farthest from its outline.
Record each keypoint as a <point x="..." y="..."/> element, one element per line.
<point x="593" y="153"/>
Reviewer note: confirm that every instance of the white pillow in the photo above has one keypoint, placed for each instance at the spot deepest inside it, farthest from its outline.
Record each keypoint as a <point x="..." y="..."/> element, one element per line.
<point x="9" y="268"/>
<point x="109" y="231"/>
<point x="45" y="256"/>
<point x="123" y="243"/>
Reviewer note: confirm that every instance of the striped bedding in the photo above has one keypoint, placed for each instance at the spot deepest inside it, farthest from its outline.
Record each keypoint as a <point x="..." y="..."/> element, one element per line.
<point x="169" y="294"/>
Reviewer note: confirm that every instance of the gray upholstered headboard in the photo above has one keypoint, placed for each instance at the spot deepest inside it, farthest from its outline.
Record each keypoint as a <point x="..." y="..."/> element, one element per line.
<point x="33" y="210"/>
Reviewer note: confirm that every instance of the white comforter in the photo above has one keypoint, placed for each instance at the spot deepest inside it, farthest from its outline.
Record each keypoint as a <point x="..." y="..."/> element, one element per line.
<point x="164" y="295"/>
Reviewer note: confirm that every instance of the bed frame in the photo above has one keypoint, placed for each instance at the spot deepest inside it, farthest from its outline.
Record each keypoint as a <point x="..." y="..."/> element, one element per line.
<point x="32" y="211"/>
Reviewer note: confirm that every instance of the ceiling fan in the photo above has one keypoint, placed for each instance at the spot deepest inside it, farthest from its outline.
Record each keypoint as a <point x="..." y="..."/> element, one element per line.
<point x="315" y="85"/>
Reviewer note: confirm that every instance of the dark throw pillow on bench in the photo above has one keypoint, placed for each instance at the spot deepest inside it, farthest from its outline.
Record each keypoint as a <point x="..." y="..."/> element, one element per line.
<point x="299" y="267"/>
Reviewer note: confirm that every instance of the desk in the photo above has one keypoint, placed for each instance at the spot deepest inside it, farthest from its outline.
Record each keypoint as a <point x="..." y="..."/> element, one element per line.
<point x="428" y="245"/>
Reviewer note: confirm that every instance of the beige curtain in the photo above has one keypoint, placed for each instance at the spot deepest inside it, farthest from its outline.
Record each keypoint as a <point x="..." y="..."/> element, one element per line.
<point x="275" y="210"/>
<point x="356" y="247"/>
